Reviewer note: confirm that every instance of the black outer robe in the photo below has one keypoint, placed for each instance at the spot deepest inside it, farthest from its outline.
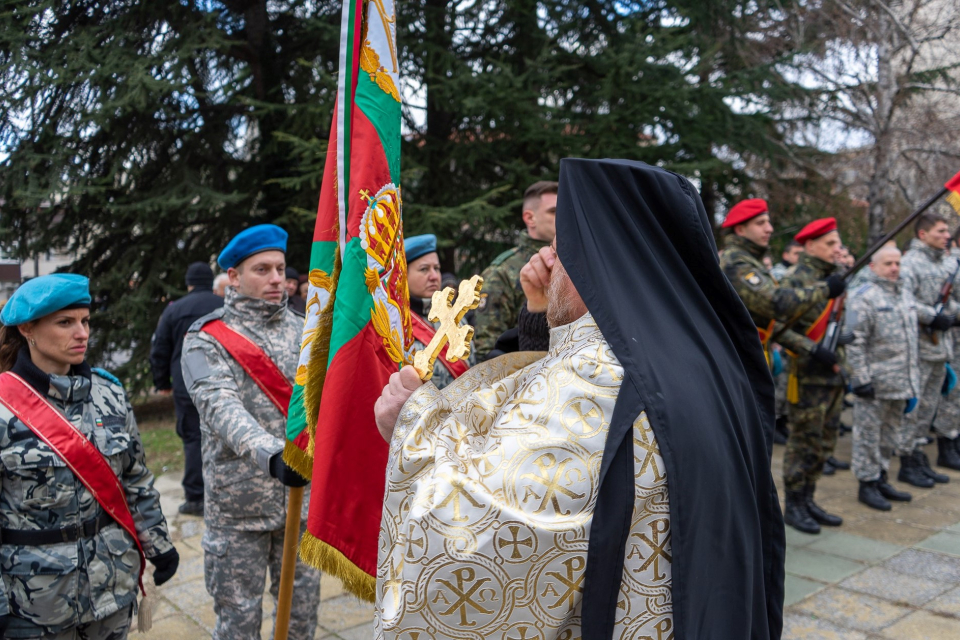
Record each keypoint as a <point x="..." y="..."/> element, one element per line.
<point x="639" y="248"/>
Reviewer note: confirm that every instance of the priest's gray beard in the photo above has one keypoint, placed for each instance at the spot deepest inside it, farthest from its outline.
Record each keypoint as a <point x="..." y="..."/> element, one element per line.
<point x="564" y="304"/>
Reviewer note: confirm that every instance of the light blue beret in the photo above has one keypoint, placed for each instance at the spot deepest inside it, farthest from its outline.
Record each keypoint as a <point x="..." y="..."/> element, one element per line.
<point x="262" y="237"/>
<point x="419" y="246"/>
<point x="42" y="296"/>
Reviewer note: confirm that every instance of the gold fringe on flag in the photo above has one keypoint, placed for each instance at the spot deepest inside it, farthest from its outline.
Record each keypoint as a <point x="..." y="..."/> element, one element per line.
<point x="318" y="553"/>
<point x="302" y="461"/>
<point x="953" y="199"/>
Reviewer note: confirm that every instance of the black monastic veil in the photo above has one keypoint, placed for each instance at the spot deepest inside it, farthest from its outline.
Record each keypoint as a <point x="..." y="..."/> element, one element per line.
<point x="638" y="246"/>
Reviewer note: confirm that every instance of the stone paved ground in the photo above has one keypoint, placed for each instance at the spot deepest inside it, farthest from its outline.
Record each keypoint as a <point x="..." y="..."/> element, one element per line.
<point x="893" y="575"/>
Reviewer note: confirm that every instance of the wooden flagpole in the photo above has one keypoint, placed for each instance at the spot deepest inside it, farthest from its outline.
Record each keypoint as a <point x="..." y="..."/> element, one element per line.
<point x="291" y="537"/>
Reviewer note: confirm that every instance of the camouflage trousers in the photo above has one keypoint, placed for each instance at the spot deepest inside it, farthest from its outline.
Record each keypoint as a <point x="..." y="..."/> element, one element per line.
<point x="780" y="389"/>
<point x="877" y="434"/>
<point x="947" y="420"/>
<point x="113" y="627"/>
<point x="235" y="567"/>
<point x="917" y="423"/>
<point x="814" y="423"/>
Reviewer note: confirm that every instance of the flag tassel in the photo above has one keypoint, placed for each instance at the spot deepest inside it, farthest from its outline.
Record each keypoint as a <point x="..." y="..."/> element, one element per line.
<point x="318" y="553"/>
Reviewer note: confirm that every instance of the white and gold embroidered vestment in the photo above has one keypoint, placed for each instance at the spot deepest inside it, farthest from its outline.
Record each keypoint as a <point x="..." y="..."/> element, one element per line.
<point x="490" y="493"/>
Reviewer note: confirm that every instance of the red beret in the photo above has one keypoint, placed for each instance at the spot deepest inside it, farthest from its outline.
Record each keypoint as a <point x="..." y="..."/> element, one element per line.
<point x="743" y="211"/>
<point x="815" y="229"/>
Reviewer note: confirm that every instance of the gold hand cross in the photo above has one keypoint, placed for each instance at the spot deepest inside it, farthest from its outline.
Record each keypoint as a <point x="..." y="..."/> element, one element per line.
<point x="449" y="312"/>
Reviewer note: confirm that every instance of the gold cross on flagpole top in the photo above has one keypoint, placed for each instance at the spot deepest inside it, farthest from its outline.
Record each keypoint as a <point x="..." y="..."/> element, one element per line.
<point x="449" y="312"/>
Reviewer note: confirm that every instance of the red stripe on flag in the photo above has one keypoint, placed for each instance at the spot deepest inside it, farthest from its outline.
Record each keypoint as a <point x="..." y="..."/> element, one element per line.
<point x="350" y="456"/>
<point x="953" y="184"/>
<point x="371" y="174"/>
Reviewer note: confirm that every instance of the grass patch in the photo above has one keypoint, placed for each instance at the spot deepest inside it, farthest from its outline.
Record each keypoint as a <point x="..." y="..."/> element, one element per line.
<point x="158" y="430"/>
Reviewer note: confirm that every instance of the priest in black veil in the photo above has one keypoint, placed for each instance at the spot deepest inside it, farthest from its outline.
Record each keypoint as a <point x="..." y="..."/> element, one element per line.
<point x="617" y="486"/>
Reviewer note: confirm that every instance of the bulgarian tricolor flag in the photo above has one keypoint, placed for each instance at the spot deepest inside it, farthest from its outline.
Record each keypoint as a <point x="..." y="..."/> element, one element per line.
<point x="953" y="192"/>
<point x="357" y="330"/>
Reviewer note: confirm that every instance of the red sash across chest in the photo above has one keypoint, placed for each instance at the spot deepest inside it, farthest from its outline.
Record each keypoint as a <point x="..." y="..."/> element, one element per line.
<point x="258" y="365"/>
<point x="80" y="455"/>
<point x="424" y="333"/>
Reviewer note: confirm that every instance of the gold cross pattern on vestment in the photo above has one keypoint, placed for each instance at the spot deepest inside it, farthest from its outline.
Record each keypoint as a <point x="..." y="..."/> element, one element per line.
<point x="449" y="312"/>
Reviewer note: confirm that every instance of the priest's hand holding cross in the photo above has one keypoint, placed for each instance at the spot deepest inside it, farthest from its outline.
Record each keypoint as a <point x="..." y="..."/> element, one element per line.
<point x="448" y="312"/>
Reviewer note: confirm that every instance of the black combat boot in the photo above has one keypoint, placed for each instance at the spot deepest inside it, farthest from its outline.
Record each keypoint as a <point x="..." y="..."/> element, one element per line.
<point x="821" y="516"/>
<point x="828" y="469"/>
<point x="912" y="474"/>
<point x="796" y="514"/>
<point x="870" y="495"/>
<point x="890" y="492"/>
<point x="947" y="455"/>
<point x="780" y="432"/>
<point x="924" y="463"/>
<point x="838" y="465"/>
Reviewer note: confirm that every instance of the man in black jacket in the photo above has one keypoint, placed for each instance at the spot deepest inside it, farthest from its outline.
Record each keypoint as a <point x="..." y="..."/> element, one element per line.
<point x="165" y="362"/>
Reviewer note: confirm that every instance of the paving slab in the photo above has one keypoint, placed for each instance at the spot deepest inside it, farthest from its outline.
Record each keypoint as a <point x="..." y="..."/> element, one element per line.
<point x="850" y="610"/>
<point x="898" y="587"/>
<point x="926" y="564"/>
<point x="943" y="542"/>
<point x="808" y="627"/>
<point x="820" y="566"/>
<point x="797" y="588"/>
<point x="854" y="547"/>
<point x="924" y="625"/>
<point x="947" y="603"/>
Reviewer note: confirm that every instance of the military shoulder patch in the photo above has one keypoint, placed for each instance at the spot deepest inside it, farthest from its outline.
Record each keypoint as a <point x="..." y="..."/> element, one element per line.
<point x="483" y="302"/>
<point x="103" y="373"/>
<point x="752" y="279"/>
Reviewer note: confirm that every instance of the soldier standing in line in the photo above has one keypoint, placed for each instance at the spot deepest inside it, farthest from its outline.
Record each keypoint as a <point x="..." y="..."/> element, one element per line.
<point x="78" y="509"/>
<point x="788" y="257"/>
<point x="502" y="296"/>
<point x="885" y="374"/>
<point x="924" y="270"/>
<point x="815" y="388"/>
<point x="165" y="350"/>
<point x="947" y="419"/>
<point x="243" y="423"/>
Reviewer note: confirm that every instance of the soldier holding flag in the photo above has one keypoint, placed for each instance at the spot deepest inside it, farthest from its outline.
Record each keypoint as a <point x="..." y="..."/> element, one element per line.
<point x="238" y="365"/>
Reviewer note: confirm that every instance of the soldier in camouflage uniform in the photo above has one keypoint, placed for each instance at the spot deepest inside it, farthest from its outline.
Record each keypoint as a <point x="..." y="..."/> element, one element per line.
<point x="749" y="222"/>
<point x="423" y="279"/>
<point x="885" y="374"/>
<point x="815" y="409"/>
<point x="947" y="419"/>
<point x="502" y="296"/>
<point x="243" y="440"/>
<point x="925" y="269"/>
<point x="68" y="569"/>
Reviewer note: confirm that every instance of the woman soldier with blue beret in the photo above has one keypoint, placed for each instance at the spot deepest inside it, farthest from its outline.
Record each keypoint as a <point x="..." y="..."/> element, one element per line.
<point x="78" y="510"/>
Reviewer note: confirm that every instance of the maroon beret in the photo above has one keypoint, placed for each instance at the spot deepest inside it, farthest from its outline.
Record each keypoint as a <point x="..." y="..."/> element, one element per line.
<point x="743" y="211"/>
<point x="815" y="229"/>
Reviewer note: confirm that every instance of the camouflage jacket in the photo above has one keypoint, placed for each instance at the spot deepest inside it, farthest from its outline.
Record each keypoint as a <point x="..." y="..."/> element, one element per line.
<point x="241" y="428"/>
<point x="764" y="299"/>
<point x="502" y="296"/>
<point x="62" y="585"/>
<point x="809" y="272"/>
<point x="924" y="270"/>
<point x="884" y="348"/>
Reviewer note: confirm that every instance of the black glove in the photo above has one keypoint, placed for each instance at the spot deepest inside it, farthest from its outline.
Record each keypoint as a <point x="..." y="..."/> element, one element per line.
<point x="824" y="356"/>
<point x="942" y="321"/>
<point x="837" y="285"/>
<point x="166" y="564"/>
<point x="865" y="391"/>
<point x="4" y="622"/>
<point x="282" y="472"/>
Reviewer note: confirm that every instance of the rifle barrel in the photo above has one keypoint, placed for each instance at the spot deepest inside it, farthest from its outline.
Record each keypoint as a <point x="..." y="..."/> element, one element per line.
<point x="865" y="258"/>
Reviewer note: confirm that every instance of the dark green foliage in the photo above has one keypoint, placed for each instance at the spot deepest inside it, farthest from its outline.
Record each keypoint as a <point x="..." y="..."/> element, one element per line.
<point x="142" y="135"/>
